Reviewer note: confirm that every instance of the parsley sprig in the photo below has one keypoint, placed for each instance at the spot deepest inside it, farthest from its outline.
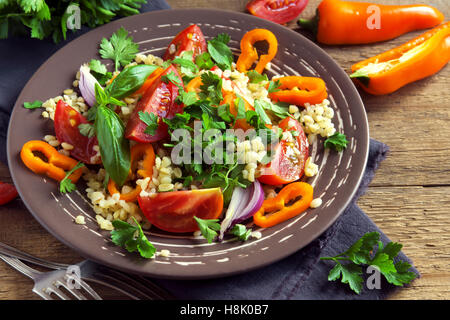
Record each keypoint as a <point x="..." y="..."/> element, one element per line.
<point x="132" y="238"/>
<point x="66" y="185"/>
<point x="349" y="263"/>
<point x="210" y="227"/>
<point x="120" y="47"/>
<point x="337" y="141"/>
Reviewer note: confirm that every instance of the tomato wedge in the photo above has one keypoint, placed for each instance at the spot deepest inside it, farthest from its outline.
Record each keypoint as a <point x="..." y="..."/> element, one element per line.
<point x="7" y="193"/>
<point x="160" y="100"/>
<point x="190" y="39"/>
<point x="67" y="120"/>
<point x="278" y="11"/>
<point x="174" y="211"/>
<point x="289" y="159"/>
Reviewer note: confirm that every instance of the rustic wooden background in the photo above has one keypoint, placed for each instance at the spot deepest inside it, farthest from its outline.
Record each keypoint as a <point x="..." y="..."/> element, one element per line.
<point x="408" y="199"/>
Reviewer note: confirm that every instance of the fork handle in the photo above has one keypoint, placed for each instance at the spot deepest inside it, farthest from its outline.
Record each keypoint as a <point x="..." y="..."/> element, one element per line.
<point x="16" y="253"/>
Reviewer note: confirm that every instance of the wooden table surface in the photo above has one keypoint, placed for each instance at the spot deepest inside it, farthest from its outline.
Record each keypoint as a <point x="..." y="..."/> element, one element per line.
<point x="408" y="198"/>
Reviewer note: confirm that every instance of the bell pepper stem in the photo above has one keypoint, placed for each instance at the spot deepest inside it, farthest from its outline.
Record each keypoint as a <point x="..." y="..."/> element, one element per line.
<point x="311" y="25"/>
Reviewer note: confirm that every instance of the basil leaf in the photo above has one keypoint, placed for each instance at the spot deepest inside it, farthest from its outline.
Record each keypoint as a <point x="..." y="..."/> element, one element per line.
<point x="114" y="148"/>
<point x="220" y="53"/>
<point x="129" y="80"/>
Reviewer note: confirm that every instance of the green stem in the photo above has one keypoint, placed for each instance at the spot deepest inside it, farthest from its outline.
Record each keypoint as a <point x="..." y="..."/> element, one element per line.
<point x="311" y="25"/>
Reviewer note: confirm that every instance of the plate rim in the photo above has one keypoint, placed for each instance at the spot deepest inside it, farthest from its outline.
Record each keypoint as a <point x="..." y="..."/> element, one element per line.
<point x="92" y="257"/>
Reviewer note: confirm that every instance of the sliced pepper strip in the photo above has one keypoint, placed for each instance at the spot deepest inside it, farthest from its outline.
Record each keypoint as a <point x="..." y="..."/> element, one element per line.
<point x="300" y="90"/>
<point x="57" y="164"/>
<point x="419" y="58"/>
<point x="249" y="55"/>
<point x="138" y="152"/>
<point x="277" y="205"/>
<point x="149" y="81"/>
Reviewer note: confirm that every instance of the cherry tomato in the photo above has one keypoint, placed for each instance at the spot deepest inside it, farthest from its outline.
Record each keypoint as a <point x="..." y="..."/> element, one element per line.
<point x="7" y="193"/>
<point x="67" y="120"/>
<point x="174" y="211"/>
<point x="289" y="159"/>
<point x="278" y="11"/>
<point x="160" y="100"/>
<point x="190" y="39"/>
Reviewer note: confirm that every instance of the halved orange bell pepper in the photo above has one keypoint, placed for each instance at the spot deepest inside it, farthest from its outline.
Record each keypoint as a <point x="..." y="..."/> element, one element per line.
<point x="149" y="81"/>
<point x="421" y="57"/>
<point x="349" y="22"/>
<point x="138" y="152"/>
<point x="249" y="55"/>
<point x="56" y="165"/>
<point x="279" y="208"/>
<point x="300" y="90"/>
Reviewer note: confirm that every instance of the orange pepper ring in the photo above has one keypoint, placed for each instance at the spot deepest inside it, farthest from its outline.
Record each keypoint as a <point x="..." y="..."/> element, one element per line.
<point x="249" y="55"/>
<point x="288" y="193"/>
<point x="139" y="150"/>
<point x="57" y="164"/>
<point x="310" y="90"/>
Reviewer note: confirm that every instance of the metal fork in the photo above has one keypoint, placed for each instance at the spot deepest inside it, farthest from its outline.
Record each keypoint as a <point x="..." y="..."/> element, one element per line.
<point x="48" y="284"/>
<point x="135" y="287"/>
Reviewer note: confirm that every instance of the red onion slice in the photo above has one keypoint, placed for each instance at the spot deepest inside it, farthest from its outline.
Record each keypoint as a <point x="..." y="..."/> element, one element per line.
<point x="86" y="84"/>
<point x="244" y="203"/>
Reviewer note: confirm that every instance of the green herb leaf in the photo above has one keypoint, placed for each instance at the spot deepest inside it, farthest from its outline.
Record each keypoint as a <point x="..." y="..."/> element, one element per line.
<point x="129" y="80"/>
<point x="240" y="231"/>
<point x="337" y="141"/>
<point x="151" y="120"/>
<point x="86" y="129"/>
<point x="204" y="61"/>
<point x="211" y="88"/>
<point x="362" y="253"/>
<point x="132" y="238"/>
<point x="32" y="105"/>
<point x="208" y="228"/>
<point x="114" y="148"/>
<point x="273" y="86"/>
<point x="97" y="66"/>
<point x="220" y="52"/>
<point x="120" y="47"/>
<point x="261" y="113"/>
<point x="66" y="185"/>
<point x="255" y="77"/>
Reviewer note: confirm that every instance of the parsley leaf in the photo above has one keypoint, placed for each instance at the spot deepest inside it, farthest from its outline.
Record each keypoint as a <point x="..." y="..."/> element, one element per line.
<point x="66" y="185"/>
<point x="337" y="141"/>
<point x="32" y="105"/>
<point x="151" y="120"/>
<point x="211" y="88"/>
<point x="132" y="238"/>
<point x="98" y="67"/>
<point x="256" y="77"/>
<point x="87" y="130"/>
<point x="220" y="52"/>
<point x="261" y="113"/>
<point x="273" y="86"/>
<point x="361" y="253"/>
<point x="208" y="228"/>
<point x="240" y="231"/>
<point x="120" y="48"/>
<point x="203" y="61"/>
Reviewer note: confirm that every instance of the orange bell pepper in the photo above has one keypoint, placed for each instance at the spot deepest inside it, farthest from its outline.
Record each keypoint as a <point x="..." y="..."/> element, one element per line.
<point x="149" y="81"/>
<point x="348" y="22"/>
<point x="278" y="205"/>
<point x="249" y="55"/>
<point x="194" y="85"/>
<point x="56" y="165"/>
<point x="138" y="151"/>
<point x="300" y="90"/>
<point x="421" y="57"/>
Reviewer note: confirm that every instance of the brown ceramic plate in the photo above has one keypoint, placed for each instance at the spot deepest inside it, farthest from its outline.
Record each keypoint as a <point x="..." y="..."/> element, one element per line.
<point x="192" y="258"/>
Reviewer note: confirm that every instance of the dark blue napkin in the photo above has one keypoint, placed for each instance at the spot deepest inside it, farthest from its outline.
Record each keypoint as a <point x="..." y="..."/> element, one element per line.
<point x="299" y="276"/>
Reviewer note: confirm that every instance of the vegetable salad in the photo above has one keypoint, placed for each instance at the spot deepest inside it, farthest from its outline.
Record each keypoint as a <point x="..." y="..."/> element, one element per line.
<point x="193" y="141"/>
